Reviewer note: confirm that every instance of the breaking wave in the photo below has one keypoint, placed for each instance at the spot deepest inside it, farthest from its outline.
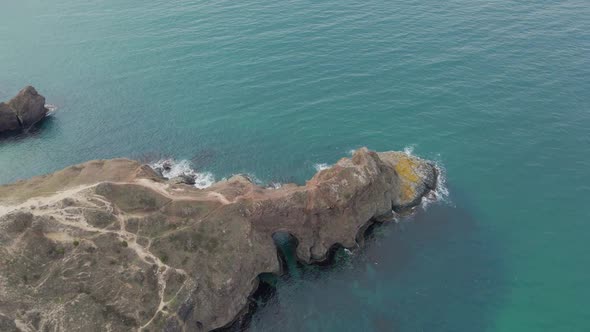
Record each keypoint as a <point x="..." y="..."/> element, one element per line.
<point x="170" y="168"/>
<point x="441" y="193"/>
<point x="409" y="150"/>
<point x="321" y="166"/>
<point x="274" y="185"/>
<point x="50" y="108"/>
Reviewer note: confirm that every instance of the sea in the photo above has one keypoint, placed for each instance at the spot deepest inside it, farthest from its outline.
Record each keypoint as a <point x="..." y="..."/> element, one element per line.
<point x="497" y="93"/>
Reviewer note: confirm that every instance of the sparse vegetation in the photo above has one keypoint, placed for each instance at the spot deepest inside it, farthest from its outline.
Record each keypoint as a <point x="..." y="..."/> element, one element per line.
<point x="76" y="243"/>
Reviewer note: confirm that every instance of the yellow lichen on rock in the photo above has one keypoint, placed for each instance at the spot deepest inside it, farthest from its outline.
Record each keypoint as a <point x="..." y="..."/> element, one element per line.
<point x="408" y="192"/>
<point x="405" y="168"/>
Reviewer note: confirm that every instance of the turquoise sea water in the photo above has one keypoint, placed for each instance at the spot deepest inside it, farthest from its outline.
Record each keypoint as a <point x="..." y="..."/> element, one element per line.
<point x="497" y="91"/>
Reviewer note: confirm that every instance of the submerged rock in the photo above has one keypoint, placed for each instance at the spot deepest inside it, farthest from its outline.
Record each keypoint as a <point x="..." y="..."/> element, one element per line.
<point x="116" y="243"/>
<point x="22" y="111"/>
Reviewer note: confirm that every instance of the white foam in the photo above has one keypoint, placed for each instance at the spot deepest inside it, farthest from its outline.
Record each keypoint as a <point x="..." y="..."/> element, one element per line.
<point x="321" y="166"/>
<point x="204" y="180"/>
<point x="50" y="108"/>
<point x="182" y="167"/>
<point x="274" y="185"/>
<point x="441" y="192"/>
<point x="409" y="150"/>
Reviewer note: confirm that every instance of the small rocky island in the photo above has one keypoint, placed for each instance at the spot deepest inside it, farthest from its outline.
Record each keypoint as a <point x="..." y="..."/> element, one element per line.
<point x="110" y="245"/>
<point x="22" y="111"/>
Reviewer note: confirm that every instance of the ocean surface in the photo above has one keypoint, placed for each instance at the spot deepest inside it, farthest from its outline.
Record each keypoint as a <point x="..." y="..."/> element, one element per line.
<point x="497" y="92"/>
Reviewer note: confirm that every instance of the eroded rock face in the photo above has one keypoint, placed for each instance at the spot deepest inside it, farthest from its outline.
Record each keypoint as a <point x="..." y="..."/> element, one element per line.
<point x="183" y="179"/>
<point x="8" y="119"/>
<point x="22" y="111"/>
<point x="112" y="244"/>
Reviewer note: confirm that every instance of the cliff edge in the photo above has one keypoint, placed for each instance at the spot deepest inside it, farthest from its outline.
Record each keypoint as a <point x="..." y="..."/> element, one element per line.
<point x="110" y="244"/>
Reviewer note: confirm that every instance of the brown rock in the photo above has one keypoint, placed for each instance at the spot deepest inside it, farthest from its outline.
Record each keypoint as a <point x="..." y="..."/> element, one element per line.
<point x="417" y="177"/>
<point x="8" y="119"/>
<point x="29" y="106"/>
<point x="22" y="111"/>
<point x="138" y="251"/>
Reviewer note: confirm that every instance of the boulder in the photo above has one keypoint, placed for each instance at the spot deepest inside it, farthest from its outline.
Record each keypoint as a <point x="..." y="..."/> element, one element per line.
<point x="22" y="111"/>
<point x="29" y="106"/>
<point x="183" y="179"/>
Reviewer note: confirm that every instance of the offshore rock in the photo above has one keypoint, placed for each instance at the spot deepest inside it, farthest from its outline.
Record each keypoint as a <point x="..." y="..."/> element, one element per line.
<point x="110" y="243"/>
<point x="22" y="111"/>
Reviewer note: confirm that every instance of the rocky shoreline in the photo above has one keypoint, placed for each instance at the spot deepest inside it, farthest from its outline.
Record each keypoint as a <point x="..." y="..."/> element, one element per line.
<point x="111" y="243"/>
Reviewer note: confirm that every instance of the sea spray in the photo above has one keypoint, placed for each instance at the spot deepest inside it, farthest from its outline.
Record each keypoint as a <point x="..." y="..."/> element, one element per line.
<point x="170" y="168"/>
<point x="321" y="166"/>
<point x="409" y="150"/>
<point x="51" y="109"/>
<point x="441" y="192"/>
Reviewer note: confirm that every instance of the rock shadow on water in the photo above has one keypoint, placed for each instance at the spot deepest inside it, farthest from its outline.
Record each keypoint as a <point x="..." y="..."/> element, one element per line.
<point x="435" y="271"/>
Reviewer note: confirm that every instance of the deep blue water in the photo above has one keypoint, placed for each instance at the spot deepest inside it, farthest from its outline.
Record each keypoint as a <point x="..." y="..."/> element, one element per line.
<point x="496" y="91"/>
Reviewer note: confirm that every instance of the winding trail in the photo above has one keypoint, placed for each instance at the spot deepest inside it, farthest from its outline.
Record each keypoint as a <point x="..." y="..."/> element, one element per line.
<point x="49" y="207"/>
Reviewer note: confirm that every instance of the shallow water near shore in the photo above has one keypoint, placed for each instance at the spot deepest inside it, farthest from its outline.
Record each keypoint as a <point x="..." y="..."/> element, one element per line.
<point x="496" y="92"/>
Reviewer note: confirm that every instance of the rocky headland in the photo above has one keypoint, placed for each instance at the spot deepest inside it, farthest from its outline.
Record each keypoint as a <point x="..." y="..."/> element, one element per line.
<point x="111" y="245"/>
<point x="22" y="111"/>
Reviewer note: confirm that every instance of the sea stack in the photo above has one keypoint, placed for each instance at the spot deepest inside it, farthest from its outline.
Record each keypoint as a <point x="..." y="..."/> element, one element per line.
<point x="22" y="111"/>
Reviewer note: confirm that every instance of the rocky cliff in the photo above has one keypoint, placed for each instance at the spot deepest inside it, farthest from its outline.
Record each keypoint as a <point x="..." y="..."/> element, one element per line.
<point x="110" y="245"/>
<point x="22" y="111"/>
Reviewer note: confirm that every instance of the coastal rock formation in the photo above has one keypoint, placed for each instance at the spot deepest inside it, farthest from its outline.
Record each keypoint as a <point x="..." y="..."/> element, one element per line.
<point x="183" y="179"/>
<point x="111" y="245"/>
<point x="8" y="119"/>
<point x="22" y="111"/>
